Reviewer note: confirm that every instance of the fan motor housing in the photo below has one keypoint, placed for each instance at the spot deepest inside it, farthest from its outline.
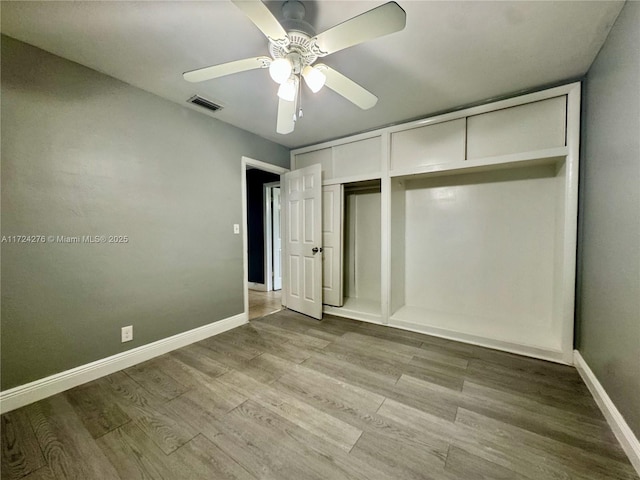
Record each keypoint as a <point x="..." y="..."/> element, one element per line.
<point x="300" y="34"/>
<point x="300" y="45"/>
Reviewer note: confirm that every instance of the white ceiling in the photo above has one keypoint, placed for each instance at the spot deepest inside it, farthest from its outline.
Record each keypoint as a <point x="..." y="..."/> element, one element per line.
<point x="450" y="54"/>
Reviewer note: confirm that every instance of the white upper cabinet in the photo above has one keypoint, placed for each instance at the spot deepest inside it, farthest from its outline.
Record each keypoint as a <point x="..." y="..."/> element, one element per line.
<point x="357" y="158"/>
<point x="533" y="126"/>
<point x="323" y="157"/>
<point x="429" y="145"/>
<point x="444" y="143"/>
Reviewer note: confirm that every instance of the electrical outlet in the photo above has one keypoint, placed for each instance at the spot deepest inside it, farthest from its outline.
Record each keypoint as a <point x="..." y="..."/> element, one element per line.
<point x="127" y="333"/>
<point x="236" y="228"/>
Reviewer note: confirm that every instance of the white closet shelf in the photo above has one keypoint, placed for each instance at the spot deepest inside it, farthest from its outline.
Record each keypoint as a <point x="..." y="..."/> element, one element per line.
<point x="352" y="179"/>
<point x="357" y="308"/>
<point x="550" y="156"/>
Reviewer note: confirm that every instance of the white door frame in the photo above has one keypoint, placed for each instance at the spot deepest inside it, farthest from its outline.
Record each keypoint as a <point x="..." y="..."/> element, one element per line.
<point x="250" y="162"/>
<point x="268" y="234"/>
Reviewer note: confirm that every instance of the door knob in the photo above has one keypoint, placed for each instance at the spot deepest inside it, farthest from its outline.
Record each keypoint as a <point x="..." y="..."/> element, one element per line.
<point x="316" y="250"/>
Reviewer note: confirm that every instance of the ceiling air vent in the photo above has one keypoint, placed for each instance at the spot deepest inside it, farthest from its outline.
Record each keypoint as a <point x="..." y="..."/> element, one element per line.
<point x="204" y="103"/>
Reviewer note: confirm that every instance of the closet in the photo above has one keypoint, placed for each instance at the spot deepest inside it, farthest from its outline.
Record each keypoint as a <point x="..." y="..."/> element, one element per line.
<point x="461" y="225"/>
<point x="360" y="247"/>
<point x="351" y="198"/>
<point x="477" y="254"/>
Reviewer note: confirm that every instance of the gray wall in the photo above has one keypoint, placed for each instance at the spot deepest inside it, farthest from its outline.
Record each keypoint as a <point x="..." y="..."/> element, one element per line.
<point x="608" y="307"/>
<point x="85" y="154"/>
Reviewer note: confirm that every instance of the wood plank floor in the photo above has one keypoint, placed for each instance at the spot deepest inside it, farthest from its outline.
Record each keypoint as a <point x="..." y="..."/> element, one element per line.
<point x="264" y="303"/>
<point x="287" y="397"/>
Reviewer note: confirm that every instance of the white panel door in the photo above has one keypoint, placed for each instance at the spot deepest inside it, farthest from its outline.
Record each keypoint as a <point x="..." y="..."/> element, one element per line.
<point x="277" y="240"/>
<point x="332" y="245"/>
<point x="303" y="240"/>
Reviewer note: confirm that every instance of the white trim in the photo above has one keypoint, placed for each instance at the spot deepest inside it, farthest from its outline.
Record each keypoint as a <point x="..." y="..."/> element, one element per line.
<point x="352" y="179"/>
<point x="267" y="221"/>
<point x="570" y="226"/>
<point x="512" y="160"/>
<point x="246" y="161"/>
<point x="268" y="249"/>
<point x="45" y="387"/>
<point x="621" y="430"/>
<point x="548" y="354"/>
<point x="353" y="314"/>
<point x="385" y="229"/>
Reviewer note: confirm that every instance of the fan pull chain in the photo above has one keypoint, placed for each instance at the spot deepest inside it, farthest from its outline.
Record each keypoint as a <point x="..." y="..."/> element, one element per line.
<point x="296" y="99"/>
<point x="299" y="99"/>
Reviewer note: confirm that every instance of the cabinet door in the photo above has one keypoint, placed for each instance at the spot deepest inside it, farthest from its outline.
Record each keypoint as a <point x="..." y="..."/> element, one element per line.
<point x="357" y="158"/>
<point x="525" y="128"/>
<point x="323" y="157"/>
<point x="428" y="145"/>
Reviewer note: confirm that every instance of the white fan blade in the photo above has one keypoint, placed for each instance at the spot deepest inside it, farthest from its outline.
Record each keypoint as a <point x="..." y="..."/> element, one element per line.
<point x="262" y="17"/>
<point x="215" y="71"/>
<point x="348" y="88"/>
<point x="286" y="111"/>
<point x="380" y="21"/>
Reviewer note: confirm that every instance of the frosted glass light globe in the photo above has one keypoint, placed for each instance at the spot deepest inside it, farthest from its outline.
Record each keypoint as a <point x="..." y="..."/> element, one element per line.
<point x="288" y="89"/>
<point x="314" y="78"/>
<point x="280" y="70"/>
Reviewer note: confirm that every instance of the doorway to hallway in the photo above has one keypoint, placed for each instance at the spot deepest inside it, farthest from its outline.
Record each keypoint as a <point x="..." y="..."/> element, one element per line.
<point x="261" y="237"/>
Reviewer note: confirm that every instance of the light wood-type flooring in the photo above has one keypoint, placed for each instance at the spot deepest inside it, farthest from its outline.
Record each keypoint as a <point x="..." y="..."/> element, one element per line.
<point x="288" y="397"/>
<point x="264" y="303"/>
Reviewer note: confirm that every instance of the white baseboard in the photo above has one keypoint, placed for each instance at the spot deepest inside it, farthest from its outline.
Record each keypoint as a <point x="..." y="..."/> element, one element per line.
<point x="261" y="287"/>
<point x="352" y="314"/>
<point x="45" y="387"/>
<point x="621" y="430"/>
<point x="549" y="355"/>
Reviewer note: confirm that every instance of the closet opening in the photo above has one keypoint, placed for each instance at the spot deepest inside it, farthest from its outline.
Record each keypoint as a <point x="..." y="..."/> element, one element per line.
<point x="485" y="264"/>
<point x="357" y="255"/>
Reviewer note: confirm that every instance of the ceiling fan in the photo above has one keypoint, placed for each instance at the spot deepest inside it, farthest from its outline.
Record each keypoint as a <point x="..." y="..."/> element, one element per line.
<point x="294" y="47"/>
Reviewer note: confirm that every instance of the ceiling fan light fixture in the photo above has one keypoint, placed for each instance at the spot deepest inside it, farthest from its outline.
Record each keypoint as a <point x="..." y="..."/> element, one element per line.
<point x="280" y="70"/>
<point x="294" y="47"/>
<point x="288" y="89"/>
<point x="314" y="78"/>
